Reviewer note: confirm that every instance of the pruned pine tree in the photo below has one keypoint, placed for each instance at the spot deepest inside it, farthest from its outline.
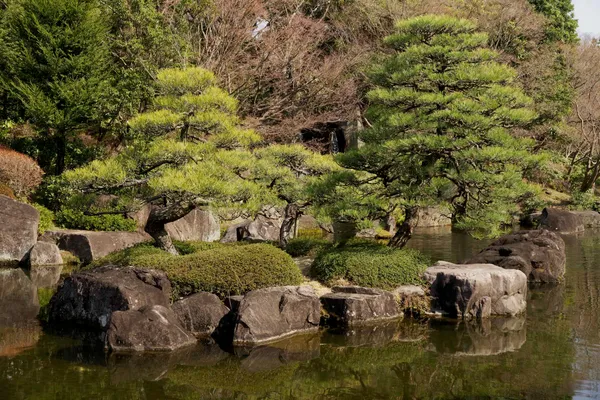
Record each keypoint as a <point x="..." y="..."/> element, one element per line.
<point x="442" y="110"/>
<point x="189" y="151"/>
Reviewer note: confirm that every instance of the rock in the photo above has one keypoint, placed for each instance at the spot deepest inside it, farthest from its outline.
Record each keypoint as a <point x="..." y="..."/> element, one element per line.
<point x="412" y="299"/>
<point x="477" y="290"/>
<point x="350" y="305"/>
<point x="18" y="297"/>
<point x="236" y="233"/>
<point x="89" y="298"/>
<point x="18" y="229"/>
<point x="276" y="312"/>
<point x="198" y="225"/>
<point x="45" y="253"/>
<point x="150" y="328"/>
<point x="429" y="217"/>
<point x="45" y="276"/>
<point x="561" y="221"/>
<point x="200" y="313"/>
<point x="264" y="228"/>
<point x="539" y="254"/>
<point x="89" y="246"/>
<point x="589" y="219"/>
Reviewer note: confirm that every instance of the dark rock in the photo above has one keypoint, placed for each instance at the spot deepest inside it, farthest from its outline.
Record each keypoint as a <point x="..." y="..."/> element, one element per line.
<point x="18" y="297"/>
<point x="45" y="276"/>
<point x="18" y="229"/>
<point x="45" y="253"/>
<point x="477" y="290"/>
<point x="200" y="313"/>
<point x="350" y="305"/>
<point x="89" y="246"/>
<point x="151" y="328"/>
<point x="539" y="254"/>
<point x="561" y="221"/>
<point x="198" y="225"/>
<point x="277" y="312"/>
<point x="90" y="298"/>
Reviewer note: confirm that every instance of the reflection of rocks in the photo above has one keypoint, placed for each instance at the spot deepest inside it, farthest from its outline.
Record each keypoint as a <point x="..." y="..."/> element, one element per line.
<point x="479" y="338"/>
<point x="274" y="355"/>
<point x="15" y="339"/>
<point x="477" y="290"/>
<point x="375" y="335"/>
<point x="45" y="276"/>
<point x="546" y="300"/>
<point x="18" y="297"/>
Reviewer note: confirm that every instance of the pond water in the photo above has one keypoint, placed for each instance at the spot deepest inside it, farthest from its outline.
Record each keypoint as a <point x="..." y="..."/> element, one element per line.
<point x="551" y="353"/>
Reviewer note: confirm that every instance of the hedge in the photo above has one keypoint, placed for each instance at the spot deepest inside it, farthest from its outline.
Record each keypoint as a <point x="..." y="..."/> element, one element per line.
<point x="370" y="264"/>
<point x="217" y="268"/>
<point x="304" y="246"/>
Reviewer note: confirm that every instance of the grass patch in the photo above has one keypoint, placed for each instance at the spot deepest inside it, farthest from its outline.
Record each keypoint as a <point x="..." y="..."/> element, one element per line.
<point x="370" y="264"/>
<point x="222" y="269"/>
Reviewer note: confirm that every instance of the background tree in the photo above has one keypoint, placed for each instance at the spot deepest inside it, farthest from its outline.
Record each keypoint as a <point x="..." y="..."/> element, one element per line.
<point x="562" y="24"/>
<point x="441" y="111"/>
<point x="187" y="152"/>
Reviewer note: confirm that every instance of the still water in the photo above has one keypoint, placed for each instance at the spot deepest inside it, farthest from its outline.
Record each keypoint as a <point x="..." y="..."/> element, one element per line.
<point x="551" y="353"/>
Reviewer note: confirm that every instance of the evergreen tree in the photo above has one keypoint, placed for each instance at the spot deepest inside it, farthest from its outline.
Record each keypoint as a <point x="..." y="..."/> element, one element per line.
<point x="56" y="65"/>
<point x="441" y="113"/>
<point x="561" y="15"/>
<point x="187" y="152"/>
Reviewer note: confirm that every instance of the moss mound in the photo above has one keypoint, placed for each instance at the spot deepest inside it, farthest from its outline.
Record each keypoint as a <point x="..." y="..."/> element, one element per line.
<point x="370" y="264"/>
<point x="213" y="267"/>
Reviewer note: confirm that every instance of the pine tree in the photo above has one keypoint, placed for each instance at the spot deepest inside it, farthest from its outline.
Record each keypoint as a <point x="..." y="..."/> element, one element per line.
<point x="441" y="112"/>
<point x="187" y="152"/>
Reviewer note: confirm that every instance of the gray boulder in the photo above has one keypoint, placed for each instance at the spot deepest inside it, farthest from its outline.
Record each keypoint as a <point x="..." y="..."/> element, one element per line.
<point x="273" y="313"/>
<point x="236" y="232"/>
<point x="265" y="227"/>
<point x="151" y="328"/>
<point x="589" y="218"/>
<point x="539" y="254"/>
<point x="477" y="290"/>
<point x="561" y="221"/>
<point x="18" y="229"/>
<point x="200" y="313"/>
<point x="351" y="305"/>
<point x="429" y="217"/>
<point x="18" y="297"/>
<point x="90" y="298"/>
<point x="89" y="246"/>
<point x="198" y="225"/>
<point x="45" y="253"/>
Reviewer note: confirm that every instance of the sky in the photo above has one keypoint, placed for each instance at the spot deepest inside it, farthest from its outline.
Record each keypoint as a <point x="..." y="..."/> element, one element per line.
<point x="588" y="14"/>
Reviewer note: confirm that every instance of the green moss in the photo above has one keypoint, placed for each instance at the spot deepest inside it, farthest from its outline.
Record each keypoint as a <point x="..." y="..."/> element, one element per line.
<point x="304" y="246"/>
<point x="213" y="267"/>
<point x="44" y="296"/>
<point x="370" y="264"/>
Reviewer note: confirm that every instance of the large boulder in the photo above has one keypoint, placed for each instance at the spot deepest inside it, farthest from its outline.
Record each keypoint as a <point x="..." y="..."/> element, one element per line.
<point x="90" y="298"/>
<point x="18" y="297"/>
<point x="45" y="253"/>
<point x="351" y="305"/>
<point x="589" y="218"/>
<point x="89" y="246"/>
<point x="477" y="290"/>
<point x="561" y="221"/>
<point x="539" y="254"/>
<point x="429" y="217"/>
<point x="18" y="229"/>
<point x="151" y="328"/>
<point x="198" y="225"/>
<point x="200" y="313"/>
<point x="276" y="312"/>
<point x="264" y="228"/>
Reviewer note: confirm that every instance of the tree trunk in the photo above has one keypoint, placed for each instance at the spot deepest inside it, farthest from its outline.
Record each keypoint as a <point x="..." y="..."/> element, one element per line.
<point x="288" y="226"/>
<point x="405" y="231"/>
<point x="162" y="239"/>
<point x="61" y="154"/>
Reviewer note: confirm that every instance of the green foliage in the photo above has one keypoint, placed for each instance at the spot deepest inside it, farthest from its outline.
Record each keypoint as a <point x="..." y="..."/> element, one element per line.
<point x="46" y="218"/>
<point x="44" y="296"/>
<point x="303" y="246"/>
<point x="217" y="268"/>
<point x="562" y="24"/>
<point x="6" y="191"/>
<point x="441" y="112"/>
<point x="370" y="264"/>
<point x="585" y="201"/>
<point x="75" y="219"/>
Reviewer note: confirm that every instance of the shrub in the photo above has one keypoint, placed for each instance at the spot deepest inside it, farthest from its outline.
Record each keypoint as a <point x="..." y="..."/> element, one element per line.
<point x="19" y="172"/>
<point x="217" y="268"/>
<point x="46" y="218"/>
<point x="7" y="191"/>
<point x="72" y="219"/>
<point x="304" y="246"/>
<point x="369" y="264"/>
